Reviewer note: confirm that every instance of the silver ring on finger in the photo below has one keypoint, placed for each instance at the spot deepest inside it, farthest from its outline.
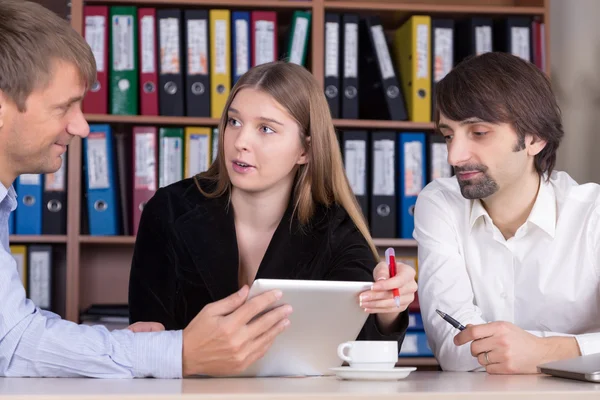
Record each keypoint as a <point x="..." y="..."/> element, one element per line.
<point x="487" y="360"/>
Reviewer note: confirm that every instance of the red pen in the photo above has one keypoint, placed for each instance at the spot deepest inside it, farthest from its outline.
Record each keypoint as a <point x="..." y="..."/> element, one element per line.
<point x="390" y="257"/>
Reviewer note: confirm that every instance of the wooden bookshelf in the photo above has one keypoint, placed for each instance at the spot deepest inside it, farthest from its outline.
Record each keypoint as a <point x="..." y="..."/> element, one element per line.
<point x="98" y="267"/>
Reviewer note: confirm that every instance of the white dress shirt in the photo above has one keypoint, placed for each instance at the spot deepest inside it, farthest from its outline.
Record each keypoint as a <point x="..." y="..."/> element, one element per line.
<point x="39" y="343"/>
<point x="545" y="279"/>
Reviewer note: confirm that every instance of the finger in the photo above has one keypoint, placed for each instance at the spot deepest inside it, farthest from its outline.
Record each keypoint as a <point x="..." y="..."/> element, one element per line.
<point x="390" y="302"/>
<point x="260" y="345"/>
<point x="229" y="304"/>
<point x="256" y="305"/>
<point x="473" y="332"/>
<point x="267" y="321"/>
<point x="404" y="275"/>
<point x="482" y="345"/>
<point x="142" y="326"/>
<point x="493" y="357"/>
<point x="381" y="271"/>
<point x="370" y="295"/>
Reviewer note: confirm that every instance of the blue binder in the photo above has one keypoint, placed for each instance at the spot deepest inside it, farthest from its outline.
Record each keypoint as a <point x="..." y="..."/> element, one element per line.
<point x="28" y="215"/>
<point x="412" y="178"/>
<point x="100" y="182"/>
<point x="415" y="344"/>
<point x="239" y="40"/>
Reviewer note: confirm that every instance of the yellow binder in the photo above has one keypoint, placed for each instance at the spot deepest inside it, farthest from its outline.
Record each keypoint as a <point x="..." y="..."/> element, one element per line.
<point x="412" y="51"/>
<point x="19" y="253"/>
<point x="197" y="156"/>
<point x="220" y="70"/>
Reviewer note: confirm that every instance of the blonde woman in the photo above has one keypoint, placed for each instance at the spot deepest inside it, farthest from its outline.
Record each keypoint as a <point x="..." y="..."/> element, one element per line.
<point x="275" y="204"/>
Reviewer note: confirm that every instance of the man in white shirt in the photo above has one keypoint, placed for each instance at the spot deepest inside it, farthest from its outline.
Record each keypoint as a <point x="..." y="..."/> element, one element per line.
<point x="45" y="70"/>
<point x="508" y="247"/>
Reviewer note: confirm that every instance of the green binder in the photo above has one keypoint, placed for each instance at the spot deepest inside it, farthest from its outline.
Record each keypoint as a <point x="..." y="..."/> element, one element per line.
<point x="298" y="37"/>
<point x="170" y="156"/>
<point x="124" y="77"/>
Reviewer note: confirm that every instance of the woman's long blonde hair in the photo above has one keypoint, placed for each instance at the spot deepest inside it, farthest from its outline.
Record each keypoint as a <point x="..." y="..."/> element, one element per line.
<point x="322" y="180"/>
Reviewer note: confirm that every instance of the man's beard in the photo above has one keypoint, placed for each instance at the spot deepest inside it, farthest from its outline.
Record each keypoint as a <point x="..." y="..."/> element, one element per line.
<point x="480" y="187"/>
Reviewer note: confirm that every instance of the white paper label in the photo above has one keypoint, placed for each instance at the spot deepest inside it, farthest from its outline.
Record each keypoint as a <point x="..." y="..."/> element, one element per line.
<point x="355" y="163"/>
<point x="383" y="53"/>
<point x="147" y="44"/>
<point x="221" y="46"/>
<point x="30" y="179"/>
<point x="483" y="39"/>
<point x="215" y="143"/>
<point x="145" y="161"/>
<point x="351" y="50"/>
<point x="384" y="168"/>
<point x="123" y="45"/>
<point x="332" y="41"/>
<point x="265" y="42"/>
<point x="39" y="278"/>
<point x="97" y="161"/>
<point x="413" y="168"/>
<point x="198" y="154"/>
<point x="197" y="51"/>
<point x="95" y="28"/>
<point x="299" y="40"/>
<point x="444" y="53"/>
<point x="169" y="46"/>
<point x="57" y="181"/>
<point x="439" y="162"/>
<point x="170" y="160"/>
<point x="520" y="45"/>
<point x="242" y="53"/>
<point x="422" y="51"/>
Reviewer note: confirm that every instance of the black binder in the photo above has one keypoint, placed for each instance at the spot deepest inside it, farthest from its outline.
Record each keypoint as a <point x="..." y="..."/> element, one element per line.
<point x="383" y="188"/>
<point x="170" y="81"/>
<point x="350" y="52"/>
<point x="197" y="76"/>
<point x="332" y="63"/>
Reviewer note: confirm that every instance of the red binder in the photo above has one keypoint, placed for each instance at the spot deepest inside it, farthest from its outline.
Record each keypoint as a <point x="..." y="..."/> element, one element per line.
<point x="264" y="37"/>
<point x="145" y="173"/>
<point x="148" y="63"/>
<point x="95" y="31"/>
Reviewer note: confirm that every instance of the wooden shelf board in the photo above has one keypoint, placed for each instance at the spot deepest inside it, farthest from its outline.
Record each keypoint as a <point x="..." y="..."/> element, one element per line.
<point x="218" y="3"/>
<point x="13" y="239"/>
<point x="417" y="361"/>
<point x="433" y="8"/>
<point x="392" y="242"/>
<point x="123" y="240"/>
<point x="161" y="120"/>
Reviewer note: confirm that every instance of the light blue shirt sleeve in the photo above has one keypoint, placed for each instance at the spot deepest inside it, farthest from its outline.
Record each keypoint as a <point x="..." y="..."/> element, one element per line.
<point x="36" y="343"/>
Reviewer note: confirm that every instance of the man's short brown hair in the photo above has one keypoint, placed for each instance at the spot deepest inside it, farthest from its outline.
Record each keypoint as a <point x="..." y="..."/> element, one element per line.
<point x="499" y="87"/>
<point x="32" y="38"/>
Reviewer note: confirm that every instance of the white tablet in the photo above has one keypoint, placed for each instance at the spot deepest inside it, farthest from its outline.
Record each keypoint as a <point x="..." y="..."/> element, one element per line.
<point x="583" y="368"/>
<point x="325" y="314"/>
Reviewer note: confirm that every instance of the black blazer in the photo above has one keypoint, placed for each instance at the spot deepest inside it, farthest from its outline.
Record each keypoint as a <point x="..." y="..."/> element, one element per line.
<point x="186" y="256"/>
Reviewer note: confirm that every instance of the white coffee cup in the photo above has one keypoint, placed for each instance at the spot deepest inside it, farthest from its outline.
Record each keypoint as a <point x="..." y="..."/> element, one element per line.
<point x="369" y="354"/>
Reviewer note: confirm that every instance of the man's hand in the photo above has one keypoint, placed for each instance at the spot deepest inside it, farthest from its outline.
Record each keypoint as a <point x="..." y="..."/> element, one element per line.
<point x="221" y="340"/>
<point x="380" y="299"/>
<point x="142" y="326"/>
<point x="504" y="348"/>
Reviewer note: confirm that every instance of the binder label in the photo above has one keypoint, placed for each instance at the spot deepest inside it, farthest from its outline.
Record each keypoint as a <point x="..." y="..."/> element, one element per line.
<point x="355" y="152"/>
<point x="55" y="182"/>
<point x="519" y="39"/>
<point x="197" y="52"/>
<point x="422" y="51"/>
<point x="298" y="40"/>
<point x="444" y="53"/>
<point x="145" y="161"/>
<point x="198" y="152"/>
<point x="30" y="179"/>
<point x="39" y="278"/>
<point x="97" y="161"/>
<point x="169" y="45"/>
<point x="147" y="47"/>
<point x="171" y="160"/>
<point x="242" y="57"/>
<point x="439" y="162"/>
<point x="383" y="53"/>
<point x="95" y="27"/>
<point x="123" y="35"/>
<point x="413" y="168"/>
<point x="215" y="143"/>
<point x="383" y="168"/>
<point x="483" y="39"/>
<point x="265" y="39"/>
<point x="351" y="50"/>
<point x="221" y="46"/>
<point x="331" y="49"/>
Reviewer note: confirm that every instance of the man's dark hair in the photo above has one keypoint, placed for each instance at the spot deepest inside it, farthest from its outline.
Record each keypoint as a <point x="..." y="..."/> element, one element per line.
<point x="499" y="87"/>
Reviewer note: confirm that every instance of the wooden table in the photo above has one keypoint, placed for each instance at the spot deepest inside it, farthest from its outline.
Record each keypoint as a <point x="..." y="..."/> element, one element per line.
<point x="418" y="385"/>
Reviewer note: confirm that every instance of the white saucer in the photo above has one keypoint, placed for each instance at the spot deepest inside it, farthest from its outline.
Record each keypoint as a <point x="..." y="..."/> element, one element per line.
<point x="392" y="374"/>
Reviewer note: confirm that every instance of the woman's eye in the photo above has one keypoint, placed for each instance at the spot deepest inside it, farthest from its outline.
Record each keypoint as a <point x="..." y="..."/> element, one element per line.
<point x="266" y="129"/>
<point x="233" y="122"/>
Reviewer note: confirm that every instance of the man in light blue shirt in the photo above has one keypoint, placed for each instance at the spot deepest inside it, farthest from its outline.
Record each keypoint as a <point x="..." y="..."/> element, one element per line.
<point x="45" y="70"/>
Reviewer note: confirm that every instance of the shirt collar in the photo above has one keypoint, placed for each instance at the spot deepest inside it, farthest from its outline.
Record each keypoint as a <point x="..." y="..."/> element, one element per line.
<point x="543" y="213"/>
<point x="8" y="195"/>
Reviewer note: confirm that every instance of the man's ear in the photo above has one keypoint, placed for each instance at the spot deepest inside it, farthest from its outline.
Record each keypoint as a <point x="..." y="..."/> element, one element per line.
<point x="303" y="159"/>
<point x="534" y="144"/>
